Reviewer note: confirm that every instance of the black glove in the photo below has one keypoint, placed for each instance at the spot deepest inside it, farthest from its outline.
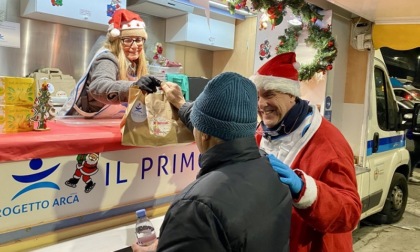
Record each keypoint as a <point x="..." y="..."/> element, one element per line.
<point x="148" y="83"/>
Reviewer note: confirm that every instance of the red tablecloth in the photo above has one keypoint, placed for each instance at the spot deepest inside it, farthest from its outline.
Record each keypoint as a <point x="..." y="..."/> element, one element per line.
<point x="60" y="140"/>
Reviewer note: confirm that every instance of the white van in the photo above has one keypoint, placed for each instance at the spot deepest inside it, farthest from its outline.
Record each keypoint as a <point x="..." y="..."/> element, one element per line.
<point x="384" y="166"/>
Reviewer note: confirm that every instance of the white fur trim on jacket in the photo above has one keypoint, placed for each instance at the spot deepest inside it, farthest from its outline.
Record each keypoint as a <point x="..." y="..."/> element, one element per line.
<point x="310" y="195"/>
<point x="281" y="84"/>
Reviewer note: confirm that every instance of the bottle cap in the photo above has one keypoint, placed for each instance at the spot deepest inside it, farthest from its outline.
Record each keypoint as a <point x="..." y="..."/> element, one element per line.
<point x="141" y="213"/>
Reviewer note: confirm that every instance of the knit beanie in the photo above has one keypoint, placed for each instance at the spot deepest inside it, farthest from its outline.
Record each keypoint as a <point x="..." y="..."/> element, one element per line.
<point x="280" y="73"/>
<point x="227" y="107"/>
<point x="125" y="23"/>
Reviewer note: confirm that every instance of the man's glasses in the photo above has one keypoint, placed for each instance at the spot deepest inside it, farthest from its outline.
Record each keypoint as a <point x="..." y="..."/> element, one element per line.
<point x="127" y="41"/>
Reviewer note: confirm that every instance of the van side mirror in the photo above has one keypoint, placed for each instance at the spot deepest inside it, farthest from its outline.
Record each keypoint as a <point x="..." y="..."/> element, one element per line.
<point x="405" y="118"/>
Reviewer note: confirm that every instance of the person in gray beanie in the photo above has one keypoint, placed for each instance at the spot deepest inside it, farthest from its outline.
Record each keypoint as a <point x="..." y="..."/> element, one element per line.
<point x="237" y="202"/>
<point x="227" y="108"/>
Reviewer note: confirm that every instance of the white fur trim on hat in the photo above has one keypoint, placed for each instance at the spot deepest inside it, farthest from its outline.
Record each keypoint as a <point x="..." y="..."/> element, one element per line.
<point x="115" y="32"/>
<point x="281" y="84"/>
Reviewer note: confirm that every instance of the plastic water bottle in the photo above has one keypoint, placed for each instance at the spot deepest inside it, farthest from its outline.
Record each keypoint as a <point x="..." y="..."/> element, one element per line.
<point x="145" y="231"/>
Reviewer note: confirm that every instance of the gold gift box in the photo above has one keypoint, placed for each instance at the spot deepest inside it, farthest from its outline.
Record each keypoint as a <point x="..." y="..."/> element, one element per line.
<point x="14" y="118"/>
<point x="17" y="91"/>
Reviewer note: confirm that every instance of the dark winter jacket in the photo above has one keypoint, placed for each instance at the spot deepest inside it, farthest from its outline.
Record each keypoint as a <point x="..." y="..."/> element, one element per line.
<point x="184" y="114"/>
<point x="237" y="203"/>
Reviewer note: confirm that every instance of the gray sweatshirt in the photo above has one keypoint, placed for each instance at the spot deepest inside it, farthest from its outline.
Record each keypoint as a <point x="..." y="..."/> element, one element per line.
<point x="102" y="85"/>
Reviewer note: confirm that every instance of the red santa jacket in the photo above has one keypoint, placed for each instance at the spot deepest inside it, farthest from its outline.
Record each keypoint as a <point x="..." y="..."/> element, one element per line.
<point x="329" y="206"/>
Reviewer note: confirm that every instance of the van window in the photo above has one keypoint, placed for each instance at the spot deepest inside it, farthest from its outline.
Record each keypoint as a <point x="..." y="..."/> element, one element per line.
<point x="386" y="108"/>
<point x="380" y="99"/>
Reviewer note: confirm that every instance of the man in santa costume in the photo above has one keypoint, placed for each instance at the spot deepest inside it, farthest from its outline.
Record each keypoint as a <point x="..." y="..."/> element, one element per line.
<point x="311" y="156"/>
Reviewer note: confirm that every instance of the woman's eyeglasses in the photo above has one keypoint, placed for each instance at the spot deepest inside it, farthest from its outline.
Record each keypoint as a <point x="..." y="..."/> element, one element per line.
<point x="127" y="41"/>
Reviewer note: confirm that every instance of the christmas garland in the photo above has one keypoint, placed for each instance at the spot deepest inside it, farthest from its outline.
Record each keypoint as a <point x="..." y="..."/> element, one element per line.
<point x="319" y="38"/>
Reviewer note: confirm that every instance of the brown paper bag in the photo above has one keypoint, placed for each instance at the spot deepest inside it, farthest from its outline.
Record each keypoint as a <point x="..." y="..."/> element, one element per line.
<point x="148" y="121"/>
<point x="184" y="135"/>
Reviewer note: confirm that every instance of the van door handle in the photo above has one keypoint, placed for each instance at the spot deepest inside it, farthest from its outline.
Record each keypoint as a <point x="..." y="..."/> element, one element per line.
<point x="375" y="146"/>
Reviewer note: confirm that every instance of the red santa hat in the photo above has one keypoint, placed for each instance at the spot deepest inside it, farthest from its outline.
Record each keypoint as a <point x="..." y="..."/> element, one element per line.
<point x="280" y="73"/>
<point x="126" y="23"/>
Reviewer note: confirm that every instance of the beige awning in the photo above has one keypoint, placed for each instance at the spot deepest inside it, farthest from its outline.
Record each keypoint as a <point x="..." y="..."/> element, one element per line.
<point x="396" y="36"/>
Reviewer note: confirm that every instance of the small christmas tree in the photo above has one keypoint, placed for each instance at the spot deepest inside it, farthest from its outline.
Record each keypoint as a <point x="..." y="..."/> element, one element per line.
<point x="42" y="108"/>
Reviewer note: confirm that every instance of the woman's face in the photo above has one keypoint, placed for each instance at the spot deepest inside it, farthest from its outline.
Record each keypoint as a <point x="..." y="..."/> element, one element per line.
<point x="273" y="105"/>
<point x="132" y="46"/>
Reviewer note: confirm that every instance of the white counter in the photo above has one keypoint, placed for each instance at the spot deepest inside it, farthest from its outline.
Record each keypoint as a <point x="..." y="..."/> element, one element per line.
<point x="107" y="240"/>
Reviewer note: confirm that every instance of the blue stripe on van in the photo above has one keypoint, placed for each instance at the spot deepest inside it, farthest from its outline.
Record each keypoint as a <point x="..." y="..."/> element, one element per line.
<point x="387" y="144"/>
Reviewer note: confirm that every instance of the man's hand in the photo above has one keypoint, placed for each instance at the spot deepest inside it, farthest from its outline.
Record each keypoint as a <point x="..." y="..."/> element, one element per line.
<point x="148" y="84"/>
<point x="286" y="174"/>
<point x="151" y="248"/>
<point x="173" y="94"/>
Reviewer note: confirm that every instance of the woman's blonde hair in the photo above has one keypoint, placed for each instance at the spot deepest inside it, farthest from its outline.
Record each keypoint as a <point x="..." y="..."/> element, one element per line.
<point x="115" y="46"/>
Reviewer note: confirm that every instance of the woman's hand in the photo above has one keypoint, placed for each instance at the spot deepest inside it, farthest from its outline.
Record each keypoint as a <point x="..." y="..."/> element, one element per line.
<point x="148" y="84"/>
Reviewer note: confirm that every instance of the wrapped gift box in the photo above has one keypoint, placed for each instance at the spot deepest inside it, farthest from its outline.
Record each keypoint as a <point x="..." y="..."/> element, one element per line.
<point x="17" y="91"/>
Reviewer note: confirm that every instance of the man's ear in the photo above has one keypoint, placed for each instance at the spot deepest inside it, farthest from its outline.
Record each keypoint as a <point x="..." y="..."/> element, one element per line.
<point x="205" y="137"/>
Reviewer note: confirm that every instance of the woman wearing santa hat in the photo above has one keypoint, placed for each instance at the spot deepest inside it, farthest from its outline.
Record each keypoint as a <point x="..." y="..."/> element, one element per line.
<point x="117" y="66"/>
<point x="310" y="155"/>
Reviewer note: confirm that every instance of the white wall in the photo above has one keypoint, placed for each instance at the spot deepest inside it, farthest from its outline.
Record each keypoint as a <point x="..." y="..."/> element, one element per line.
<point x="337" y="78"/>
<point x="347" y="117"/>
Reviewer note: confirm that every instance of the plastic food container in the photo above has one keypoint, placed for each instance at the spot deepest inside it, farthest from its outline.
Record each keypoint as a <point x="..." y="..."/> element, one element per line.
<point x="160" y="69"/>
